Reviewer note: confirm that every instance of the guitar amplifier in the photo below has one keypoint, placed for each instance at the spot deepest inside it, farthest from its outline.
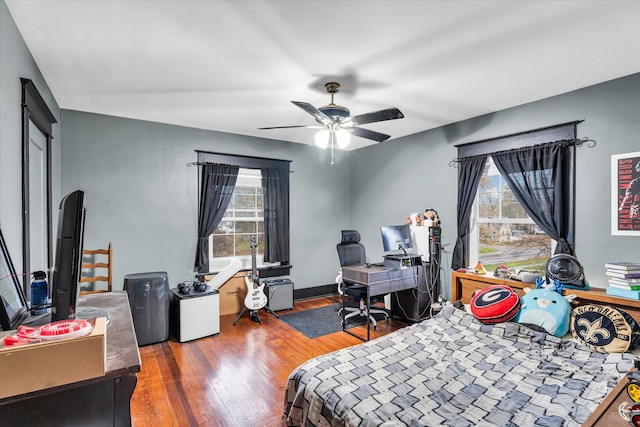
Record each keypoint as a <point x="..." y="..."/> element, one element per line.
<point x="279" y="294"/>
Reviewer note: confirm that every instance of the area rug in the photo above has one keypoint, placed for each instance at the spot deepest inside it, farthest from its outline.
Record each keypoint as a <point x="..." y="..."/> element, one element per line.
<point x="321" y="321"/>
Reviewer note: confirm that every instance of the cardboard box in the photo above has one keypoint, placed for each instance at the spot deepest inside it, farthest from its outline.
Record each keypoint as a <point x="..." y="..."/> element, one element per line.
<point x="232" y="294"/>
<point x="32" y="367"/>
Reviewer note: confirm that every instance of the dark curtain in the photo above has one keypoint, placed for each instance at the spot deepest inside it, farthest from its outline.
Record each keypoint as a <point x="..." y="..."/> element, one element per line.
<point x="541" y="178"/>
<point x="469" y="173"/>
<point x="216" y="189"/>
<point x="275" y="187"/>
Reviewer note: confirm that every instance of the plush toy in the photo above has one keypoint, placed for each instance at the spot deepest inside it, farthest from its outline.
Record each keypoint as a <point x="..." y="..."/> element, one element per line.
<point x="495" y="304"/>
<point x="605" y="329"/>
<point x="547" y="309"/>
<point x="432" y="215"/>
<point x="414" y="219"/>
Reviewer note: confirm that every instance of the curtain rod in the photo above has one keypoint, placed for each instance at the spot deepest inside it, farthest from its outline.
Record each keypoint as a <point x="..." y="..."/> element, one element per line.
<point x="214" y="153"/>
<point x="527" y="132"/>
<point x="577" y="142"/>
<point x="208" y="163"/>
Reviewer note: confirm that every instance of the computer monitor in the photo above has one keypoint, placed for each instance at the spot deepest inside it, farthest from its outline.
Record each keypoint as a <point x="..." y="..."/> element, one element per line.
<point x="67" y="269"/>
<point x="396" y="237"/>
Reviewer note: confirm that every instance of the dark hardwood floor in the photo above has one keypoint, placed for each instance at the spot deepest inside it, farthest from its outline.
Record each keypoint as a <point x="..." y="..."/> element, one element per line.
<point x="234" y="378"/>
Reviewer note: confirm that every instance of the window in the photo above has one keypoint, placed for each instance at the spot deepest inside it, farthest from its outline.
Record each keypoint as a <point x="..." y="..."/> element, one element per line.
<point x="228" y="216"/>
<point x="501" y="233"/>
<point x="539" y="166"/>
<point x="243" y="219"/>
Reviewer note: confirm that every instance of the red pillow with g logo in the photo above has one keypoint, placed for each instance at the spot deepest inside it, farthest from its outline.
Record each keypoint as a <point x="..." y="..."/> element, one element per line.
<point x="495" y="304"/>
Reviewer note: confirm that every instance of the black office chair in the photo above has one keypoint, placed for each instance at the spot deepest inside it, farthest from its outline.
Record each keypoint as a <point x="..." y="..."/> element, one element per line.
<point x="352" y="252"/>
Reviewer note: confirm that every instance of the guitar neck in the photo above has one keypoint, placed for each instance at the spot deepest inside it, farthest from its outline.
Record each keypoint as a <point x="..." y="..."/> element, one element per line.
<point x="254" y="269"/>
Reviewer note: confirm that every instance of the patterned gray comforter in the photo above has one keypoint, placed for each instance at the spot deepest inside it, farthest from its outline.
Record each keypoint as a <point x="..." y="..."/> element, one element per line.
<point x="453" y="370"/>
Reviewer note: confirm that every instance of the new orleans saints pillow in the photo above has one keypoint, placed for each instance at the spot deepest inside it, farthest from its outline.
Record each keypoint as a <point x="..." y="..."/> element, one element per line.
<point x="605" y="329"/>
<point x="495" y="304"/>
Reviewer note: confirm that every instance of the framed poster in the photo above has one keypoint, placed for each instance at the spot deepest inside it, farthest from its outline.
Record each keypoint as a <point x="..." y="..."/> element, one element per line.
<point x="13" y="308"/>
<point x="625" y="194"/>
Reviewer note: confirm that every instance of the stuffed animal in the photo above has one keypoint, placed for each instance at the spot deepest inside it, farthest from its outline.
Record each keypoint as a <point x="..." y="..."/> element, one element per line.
<point x="495" y="304"/>
<point x="414" y="219"/>
<point x="431" y="215"/>
<point x="547" y="309"/>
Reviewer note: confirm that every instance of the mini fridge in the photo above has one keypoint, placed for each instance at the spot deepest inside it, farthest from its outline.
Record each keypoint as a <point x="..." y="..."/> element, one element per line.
<point x="194" y="315"/>
<point x="149" y="301"/>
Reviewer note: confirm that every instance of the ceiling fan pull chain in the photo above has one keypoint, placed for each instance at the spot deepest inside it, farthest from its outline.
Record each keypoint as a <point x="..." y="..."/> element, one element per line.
<point x="332" y="135"/>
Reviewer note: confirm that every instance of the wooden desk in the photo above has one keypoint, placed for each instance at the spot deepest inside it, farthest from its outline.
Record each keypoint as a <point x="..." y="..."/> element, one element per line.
<point x="378" y="281"/>
<point x="102" y="401"/>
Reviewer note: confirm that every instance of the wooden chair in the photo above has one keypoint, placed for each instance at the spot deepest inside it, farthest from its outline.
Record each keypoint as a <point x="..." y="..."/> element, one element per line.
<point x="97" y="267"/>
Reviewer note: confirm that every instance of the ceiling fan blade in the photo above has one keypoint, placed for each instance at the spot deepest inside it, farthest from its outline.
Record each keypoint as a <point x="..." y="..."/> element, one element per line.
<point x="375" y="116"/>
<point x="295" y="126"/>
<point x="319" y="115"/>
<point x="368" y="134"/>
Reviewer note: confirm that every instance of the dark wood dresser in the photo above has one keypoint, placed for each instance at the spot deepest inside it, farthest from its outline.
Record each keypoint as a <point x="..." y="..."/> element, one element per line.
<point x="102" y="401"/>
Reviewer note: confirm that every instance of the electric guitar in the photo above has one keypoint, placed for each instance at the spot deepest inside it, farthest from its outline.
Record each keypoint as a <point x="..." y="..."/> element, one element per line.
<point x="255" y="299"/>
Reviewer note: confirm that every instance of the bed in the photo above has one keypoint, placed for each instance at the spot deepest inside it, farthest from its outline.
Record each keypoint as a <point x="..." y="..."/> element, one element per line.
<point x="453" y="370"/>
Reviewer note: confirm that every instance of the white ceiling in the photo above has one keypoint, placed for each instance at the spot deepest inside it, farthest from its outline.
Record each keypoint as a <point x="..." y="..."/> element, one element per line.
<point x="233" y="66"/>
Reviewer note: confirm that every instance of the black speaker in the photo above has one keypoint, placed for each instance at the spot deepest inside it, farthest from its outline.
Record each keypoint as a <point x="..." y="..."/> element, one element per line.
<point x="149" y="301"/>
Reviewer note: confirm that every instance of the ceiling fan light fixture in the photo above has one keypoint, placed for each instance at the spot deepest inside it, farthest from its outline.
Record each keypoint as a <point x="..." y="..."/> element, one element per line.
<point x="322" y="138"/>
<point x="335" y="111"/>
<point x="343" y="138"/>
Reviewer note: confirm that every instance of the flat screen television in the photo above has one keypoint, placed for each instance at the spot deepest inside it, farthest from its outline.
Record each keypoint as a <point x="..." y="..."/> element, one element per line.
<point x="396" y="237"/>
<point x="67" y="270"/>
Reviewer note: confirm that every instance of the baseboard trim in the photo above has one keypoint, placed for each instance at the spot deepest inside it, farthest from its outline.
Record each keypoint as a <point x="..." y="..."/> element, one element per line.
<point x="314" y="292"/>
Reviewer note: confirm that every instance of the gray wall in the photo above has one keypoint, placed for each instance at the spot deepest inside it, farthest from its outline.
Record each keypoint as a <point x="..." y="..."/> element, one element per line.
<point x="17" y="62"/>
<point x="142" y="196"/>
<point x="411" y="174"/>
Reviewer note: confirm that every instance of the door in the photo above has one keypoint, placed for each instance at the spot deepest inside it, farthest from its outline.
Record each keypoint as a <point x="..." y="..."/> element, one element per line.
<point x="38" y="238"/>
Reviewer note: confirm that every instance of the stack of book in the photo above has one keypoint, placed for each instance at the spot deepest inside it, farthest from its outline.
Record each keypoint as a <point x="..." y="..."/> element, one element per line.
<point x="624" y="279"/>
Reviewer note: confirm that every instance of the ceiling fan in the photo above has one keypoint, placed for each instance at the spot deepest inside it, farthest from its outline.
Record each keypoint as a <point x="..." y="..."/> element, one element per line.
<point x="336" y="125"/>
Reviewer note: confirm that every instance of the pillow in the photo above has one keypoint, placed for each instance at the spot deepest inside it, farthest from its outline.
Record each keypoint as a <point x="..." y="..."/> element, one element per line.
<point x="547" y="309"/>
<point x="605" y="329"/>
<point x="494" y="304"/>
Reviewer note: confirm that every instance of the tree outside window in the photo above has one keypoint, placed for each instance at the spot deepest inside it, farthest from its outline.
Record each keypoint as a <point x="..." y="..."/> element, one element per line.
<point x="501" y="231"/>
